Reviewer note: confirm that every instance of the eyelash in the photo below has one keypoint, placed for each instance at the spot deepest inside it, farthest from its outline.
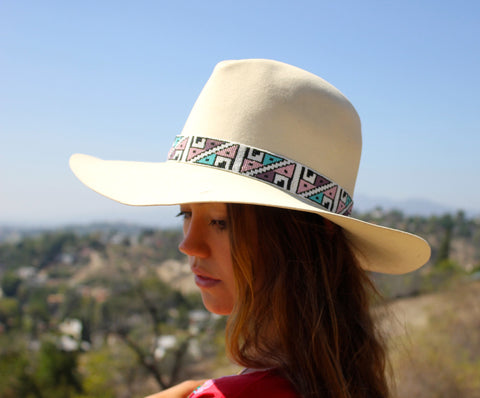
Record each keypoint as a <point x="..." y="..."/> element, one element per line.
<point x="220" y="224"/>
<point x="184" y="214"/>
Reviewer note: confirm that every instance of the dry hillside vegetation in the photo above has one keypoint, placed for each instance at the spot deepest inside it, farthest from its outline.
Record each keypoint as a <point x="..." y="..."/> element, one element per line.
<point x="434" y="342"/>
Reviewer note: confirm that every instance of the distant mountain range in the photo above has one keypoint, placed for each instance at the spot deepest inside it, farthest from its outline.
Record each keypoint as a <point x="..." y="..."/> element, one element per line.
<point x="420" y="207"/>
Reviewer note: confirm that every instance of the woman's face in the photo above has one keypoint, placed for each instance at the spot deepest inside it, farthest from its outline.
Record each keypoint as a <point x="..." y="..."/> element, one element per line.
<point x="206" y="242"/>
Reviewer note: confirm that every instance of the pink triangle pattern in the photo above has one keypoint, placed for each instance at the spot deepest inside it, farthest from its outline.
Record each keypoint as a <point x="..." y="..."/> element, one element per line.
<point x="182" y="144"/>
<point x="212" y="143"/>
<point x="304" y="186"/>
<point x="192" y="152"/>
<point x="286" y="170"/>
<point x="249" y="165"/>
<point x="268" y="176"/>
<point x="229" y="152"/>
<point x="332" y="192"/>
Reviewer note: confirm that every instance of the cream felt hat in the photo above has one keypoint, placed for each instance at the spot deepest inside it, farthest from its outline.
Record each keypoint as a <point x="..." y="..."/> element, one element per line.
<point x="267" y="133"/>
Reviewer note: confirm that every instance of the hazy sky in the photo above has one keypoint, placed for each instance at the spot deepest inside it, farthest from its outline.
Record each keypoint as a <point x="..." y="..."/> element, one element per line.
<point x="117" y="79"/>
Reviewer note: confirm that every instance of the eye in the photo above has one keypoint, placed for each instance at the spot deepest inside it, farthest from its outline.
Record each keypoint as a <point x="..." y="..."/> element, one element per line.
<point x="184" y="214"/>
<point x="220" y="224"/>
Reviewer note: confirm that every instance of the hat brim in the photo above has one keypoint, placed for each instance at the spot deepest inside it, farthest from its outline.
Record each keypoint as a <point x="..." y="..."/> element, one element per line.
<point x="378" y="248"/>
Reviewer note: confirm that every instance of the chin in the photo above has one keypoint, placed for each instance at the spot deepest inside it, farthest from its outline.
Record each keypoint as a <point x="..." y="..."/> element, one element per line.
<point x="216" y="307"/>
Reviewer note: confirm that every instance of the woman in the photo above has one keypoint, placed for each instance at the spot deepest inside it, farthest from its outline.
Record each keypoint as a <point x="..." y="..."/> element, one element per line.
<point x="264" y="173"/>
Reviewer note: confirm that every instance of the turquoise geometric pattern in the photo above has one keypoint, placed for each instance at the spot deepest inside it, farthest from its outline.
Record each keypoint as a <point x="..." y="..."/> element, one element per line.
<point x="274" y="169"/>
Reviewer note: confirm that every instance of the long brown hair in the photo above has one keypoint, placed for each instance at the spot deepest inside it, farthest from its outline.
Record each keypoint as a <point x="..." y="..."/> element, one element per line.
<point x="303" y="304"/>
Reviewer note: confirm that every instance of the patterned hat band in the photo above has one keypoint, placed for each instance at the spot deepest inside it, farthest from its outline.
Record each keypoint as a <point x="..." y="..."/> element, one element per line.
<point x="270" y="168"/>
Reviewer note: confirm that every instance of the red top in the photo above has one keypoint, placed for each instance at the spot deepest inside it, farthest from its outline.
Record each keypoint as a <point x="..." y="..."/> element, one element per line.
<point x="261" y="384"/>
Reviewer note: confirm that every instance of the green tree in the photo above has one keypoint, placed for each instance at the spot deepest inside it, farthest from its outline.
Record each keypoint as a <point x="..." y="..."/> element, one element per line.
<point x="53" y="245"/>
<point x="447" y="224"/>
<point x="10" y="313"/>
<point x="10" y="283"/>
<point x="35" y="308"/>
<point x="16" y="380"/>
<point x="57" y="372"/>
<point x="101" y="371"/>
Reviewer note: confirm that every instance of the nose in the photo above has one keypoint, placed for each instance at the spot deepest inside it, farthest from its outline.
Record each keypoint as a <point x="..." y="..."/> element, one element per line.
<point x="194" y="241"/>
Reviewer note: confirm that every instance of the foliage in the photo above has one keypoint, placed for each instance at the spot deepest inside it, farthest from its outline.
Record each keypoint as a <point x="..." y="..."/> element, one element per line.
<point x="56" y="372"/>
<point x="10" y="284"/>
<point x="48" y="372"/>
<point x="443" y="274"/>
<point x="39" y="251"/>
<point x="9" y="313"/>
<point x="441" y="357"/>
<point x="16" y="382"/>
<point x="101" y="371"/>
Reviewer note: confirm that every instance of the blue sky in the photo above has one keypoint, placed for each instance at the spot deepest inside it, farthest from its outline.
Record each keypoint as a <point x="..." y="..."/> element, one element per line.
<point x="117" y="79"/>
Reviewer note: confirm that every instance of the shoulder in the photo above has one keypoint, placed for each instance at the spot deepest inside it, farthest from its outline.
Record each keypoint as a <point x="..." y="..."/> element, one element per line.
<point x="253" y="385"/>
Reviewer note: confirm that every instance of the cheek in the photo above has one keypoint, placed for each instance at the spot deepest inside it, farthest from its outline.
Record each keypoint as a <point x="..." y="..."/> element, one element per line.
<point x="229" y="276"/>
<point x="229" y="291"/>
<point x="230" y="279"/>
<point x="231" y="286"/>
<point x="223" y="253"/>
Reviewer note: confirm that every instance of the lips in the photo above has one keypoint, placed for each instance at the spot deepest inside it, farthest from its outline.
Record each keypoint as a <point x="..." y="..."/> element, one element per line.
<point x="205" y="281"/>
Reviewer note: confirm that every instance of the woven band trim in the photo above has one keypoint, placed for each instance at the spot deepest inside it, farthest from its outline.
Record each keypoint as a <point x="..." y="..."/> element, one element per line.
<point x="270" y="168"/>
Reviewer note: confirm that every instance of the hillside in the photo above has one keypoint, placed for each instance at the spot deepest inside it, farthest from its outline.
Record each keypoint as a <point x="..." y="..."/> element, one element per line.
<point x="434" y="343"/>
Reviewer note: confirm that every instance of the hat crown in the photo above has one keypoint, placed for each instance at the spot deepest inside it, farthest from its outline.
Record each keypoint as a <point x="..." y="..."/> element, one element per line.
<point x="284" y="110"/>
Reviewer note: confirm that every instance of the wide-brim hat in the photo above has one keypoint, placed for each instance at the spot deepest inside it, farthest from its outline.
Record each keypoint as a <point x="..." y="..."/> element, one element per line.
<point x="263" y="132"/>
